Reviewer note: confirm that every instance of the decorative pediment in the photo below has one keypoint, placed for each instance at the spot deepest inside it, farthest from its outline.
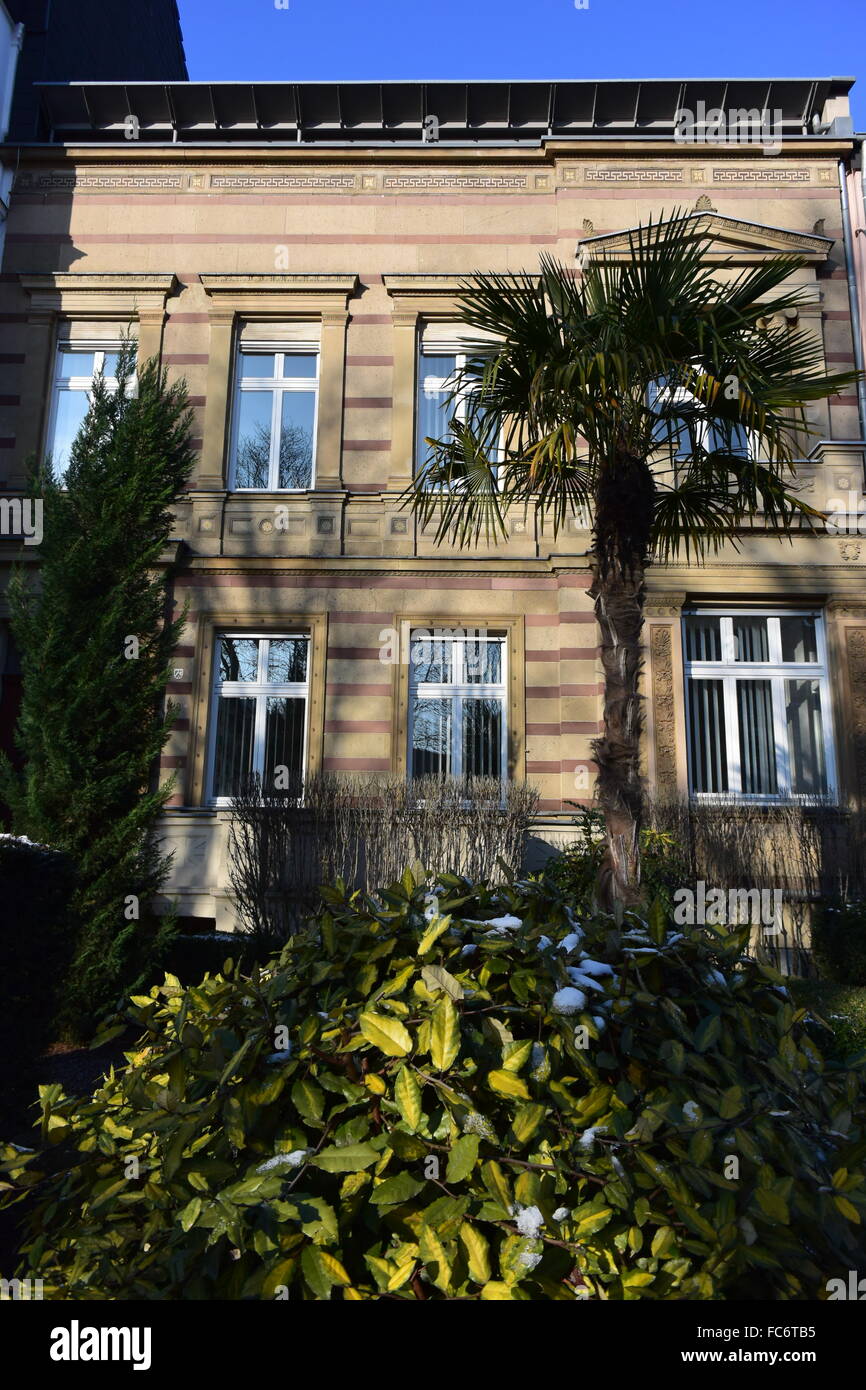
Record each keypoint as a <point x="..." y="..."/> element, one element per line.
<point x="728" y="239"/>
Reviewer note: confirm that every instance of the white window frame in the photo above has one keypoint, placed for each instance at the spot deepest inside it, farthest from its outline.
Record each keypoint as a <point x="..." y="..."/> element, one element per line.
<point x="261" y="690"/>
<point x="457" y="690"/>
<point x="456" y="348"/>
<point x="729" y="671"/>
<point x="84" y="384"/>
<point x="278" y="386"/>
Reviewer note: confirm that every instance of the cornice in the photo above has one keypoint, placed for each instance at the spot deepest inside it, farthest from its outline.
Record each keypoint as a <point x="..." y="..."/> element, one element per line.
<point x="548" y="152"/>
<point x="332" y="283"/>
<point x="98" y="294"/>
<point x="65" y="281"/>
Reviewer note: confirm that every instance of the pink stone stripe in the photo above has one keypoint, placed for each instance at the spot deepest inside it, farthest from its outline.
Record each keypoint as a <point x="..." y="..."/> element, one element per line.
<point x="369" y="402"/>
<point x="184" y="359"/>
<point x="369" y="360"/>
<point x="378" y="446"/>
<point x="264" y="579"/>
<point x="356" y="688"/>
<point x="353" y="653"/>
<point x="564" y="654"/>
<point x="522" y="583"/>
<point x="357" y="726"/>
<point x="553" y="692"/>
<point x="357" y="764"/>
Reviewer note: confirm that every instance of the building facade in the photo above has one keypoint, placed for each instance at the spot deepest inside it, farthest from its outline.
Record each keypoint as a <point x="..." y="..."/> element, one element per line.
<point x="295" y="252"/>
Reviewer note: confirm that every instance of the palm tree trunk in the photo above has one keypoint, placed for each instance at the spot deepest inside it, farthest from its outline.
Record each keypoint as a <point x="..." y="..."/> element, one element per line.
<point x="624" y="510"/>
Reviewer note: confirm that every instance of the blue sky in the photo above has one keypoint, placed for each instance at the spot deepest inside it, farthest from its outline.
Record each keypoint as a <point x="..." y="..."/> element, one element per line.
<point x="417" y="39"/>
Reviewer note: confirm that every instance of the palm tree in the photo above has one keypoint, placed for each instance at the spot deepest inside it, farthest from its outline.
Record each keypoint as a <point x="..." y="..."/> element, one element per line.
<point x="664" y="402"/>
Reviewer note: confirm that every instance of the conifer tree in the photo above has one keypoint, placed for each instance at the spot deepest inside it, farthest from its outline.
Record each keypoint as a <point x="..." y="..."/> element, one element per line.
<point x="96" y="636"/>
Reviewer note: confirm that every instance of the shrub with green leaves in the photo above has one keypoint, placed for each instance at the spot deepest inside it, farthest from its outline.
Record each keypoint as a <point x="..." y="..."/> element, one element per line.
<point x="458" y="1092"/>
<point x="575" y="871"/>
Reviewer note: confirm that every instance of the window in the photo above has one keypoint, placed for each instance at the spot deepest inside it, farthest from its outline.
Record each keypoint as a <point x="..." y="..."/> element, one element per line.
<point x="672" y="434"/>
<point x="77" y="365"/>
<point x="438" y="367"/>
<point x="457" y="724"/>
<point x="757" y="705"/>
<point x="260" y="712"/>
<point x="274" y="430"/>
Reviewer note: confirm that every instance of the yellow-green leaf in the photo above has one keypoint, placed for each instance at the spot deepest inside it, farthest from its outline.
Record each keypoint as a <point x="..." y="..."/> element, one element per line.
<point x="663" y="1242"/>
<point x="526" y="1122"/>
<point x="505" y="1083"/>
<point x="847" y="1208"/>
<point x="444" y="1034"/>
<point x="462" y="1158"/>
<point x="437" y="927"/>
<point x="388" y="1034"/>
<point x="401" y="1275"/>
<point x="346" y="1158"/>
<point x="592" y="1223"/>
<point x="515" y="1054"/>
<point x="497" y="1185"/>
<point x="433" y="1254"/>
<point x="477" y="1252"/>
<point x="407" y="1095"/>
<point x="498" y="1292"/>
<point x="436" y="977"/>
<point x="334" y="1270"/>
